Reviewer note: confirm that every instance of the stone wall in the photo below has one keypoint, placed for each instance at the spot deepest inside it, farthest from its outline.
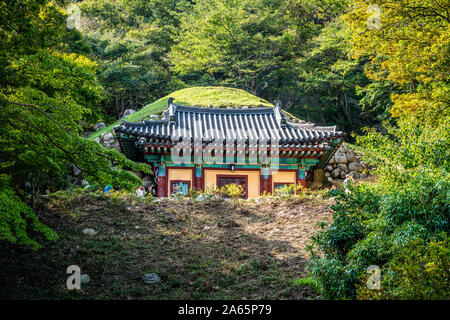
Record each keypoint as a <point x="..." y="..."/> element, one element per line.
<point x="344" y="162"/>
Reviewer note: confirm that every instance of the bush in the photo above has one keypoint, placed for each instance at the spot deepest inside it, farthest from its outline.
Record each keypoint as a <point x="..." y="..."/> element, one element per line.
<point x="418" y="271"/>
<point x="350" y="211"/>
<point x="233" y="191"/>
<point x="17" y="219"/>
<point x="400" y="224"/>
<point x="333" y="278"/>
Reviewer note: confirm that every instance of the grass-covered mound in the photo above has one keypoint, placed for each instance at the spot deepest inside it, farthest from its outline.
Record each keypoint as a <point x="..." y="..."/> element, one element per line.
<point x="201" y="96"/>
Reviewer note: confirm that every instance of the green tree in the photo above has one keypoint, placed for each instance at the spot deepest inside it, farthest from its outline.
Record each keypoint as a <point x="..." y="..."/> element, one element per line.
<point x="379" y="224"/>
<point x="328" y="79"/>
<point x="130" y="40"/>
<point x="247" y="44"/>
<point x="47" y="93"/>
<point x="408" y="47"/>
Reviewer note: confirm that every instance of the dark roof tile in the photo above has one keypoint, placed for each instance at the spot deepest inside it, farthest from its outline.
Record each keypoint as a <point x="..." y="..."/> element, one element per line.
<point x="220" y="123"/>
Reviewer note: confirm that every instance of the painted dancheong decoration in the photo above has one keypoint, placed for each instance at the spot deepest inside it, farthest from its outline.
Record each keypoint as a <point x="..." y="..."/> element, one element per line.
<point x="193" y="147"/>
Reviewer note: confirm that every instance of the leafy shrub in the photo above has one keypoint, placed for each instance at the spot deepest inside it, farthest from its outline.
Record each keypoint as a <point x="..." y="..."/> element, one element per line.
<point x="194" y="193"/>
<point x="16" y="218"/>
<point x="419" y="270"/>
<point x="333" y="278"/>
<point x="400" y="224"/>
<point x="350" y="211"/>
<point x="234" y="191"/>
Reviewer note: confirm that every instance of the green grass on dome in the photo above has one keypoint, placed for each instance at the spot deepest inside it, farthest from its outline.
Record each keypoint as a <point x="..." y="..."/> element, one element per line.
<point x="220" y="97"/>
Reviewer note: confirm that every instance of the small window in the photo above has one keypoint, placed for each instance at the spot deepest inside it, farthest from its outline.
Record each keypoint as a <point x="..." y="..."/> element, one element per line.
<point x="180" y="187"/>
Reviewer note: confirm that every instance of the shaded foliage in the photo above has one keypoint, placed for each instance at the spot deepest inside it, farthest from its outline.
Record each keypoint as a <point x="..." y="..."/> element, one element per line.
<point x="48" y="92"/>
<point x="297" y="52"/>
<point x="380" y="224"/>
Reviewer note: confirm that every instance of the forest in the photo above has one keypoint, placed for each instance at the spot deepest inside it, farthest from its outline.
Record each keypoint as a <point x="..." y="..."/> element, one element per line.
<point x="378" y="69"/>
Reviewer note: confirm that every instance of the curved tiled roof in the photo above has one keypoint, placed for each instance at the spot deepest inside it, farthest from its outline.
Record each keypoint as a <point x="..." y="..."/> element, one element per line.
<point x="207" y="124"/>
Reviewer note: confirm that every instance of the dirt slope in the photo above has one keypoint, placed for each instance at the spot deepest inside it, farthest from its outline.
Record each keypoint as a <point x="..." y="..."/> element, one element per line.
<point x="207" y="250"/>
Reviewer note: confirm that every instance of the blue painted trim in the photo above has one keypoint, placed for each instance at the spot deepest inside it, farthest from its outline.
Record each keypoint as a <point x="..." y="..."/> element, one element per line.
<point x="301" y="174"/>
<point x="162" y="171"/>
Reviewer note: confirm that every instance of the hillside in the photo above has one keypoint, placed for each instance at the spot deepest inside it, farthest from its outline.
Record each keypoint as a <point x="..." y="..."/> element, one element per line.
<point x="202" y="96"/>
<point x="199" y="249"/>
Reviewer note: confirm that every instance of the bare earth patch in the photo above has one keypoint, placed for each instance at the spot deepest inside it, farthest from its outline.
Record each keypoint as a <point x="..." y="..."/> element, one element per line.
<point x="200" y="250"/>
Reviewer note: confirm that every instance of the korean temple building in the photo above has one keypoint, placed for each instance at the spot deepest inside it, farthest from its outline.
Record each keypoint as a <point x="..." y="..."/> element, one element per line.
<point x="255" y="147"/>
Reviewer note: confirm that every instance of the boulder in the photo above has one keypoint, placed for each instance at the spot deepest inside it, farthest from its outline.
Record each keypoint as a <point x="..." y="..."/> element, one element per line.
<point x="332" y="161"/>
<point x="89" y="231"/>
<point x="107" y="139"/>
<point x="99" y="126"/>
<point x="127" y="112"/>
<point x="340" y="157"/>
<point x="76" y="170"/>
<point x="84" y="279"/>
<point x="342" y="175"/>
<point x="329" y="168"/>
<point x="150" y="278"/>
<point x="343" y="167"/>
<point x="355" y="166"/>
<point x="351" y="157"/>
<point x="107" y="136"/>
<point x="354" y="174"/>
<point x="327" y="174"/>
<point x="335" y="173"/>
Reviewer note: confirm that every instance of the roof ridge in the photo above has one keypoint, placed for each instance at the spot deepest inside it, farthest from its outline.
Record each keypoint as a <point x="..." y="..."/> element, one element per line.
<point x="141" y="123"/>
<point x="223" y="110"/>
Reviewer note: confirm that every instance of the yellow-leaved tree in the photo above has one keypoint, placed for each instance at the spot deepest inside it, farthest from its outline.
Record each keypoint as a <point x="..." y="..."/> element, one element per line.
<point x="408" y="43"/>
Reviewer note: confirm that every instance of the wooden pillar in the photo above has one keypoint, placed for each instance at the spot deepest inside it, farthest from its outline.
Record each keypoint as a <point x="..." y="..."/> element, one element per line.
<point x="198" y="178"/>
<point x="162" y="181"/>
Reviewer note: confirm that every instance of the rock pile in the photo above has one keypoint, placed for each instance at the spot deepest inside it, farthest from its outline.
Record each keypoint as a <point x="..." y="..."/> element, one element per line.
<point x="344" y="162"/>
<point x="108" y="140"/>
